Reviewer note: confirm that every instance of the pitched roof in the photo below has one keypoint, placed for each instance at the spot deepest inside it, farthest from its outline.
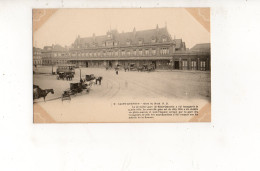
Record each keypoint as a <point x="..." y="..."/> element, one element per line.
<point x="58" y="47"/>
<point x="55" y="47"/>
<point x="145" y="35"/>
<point x="178" y="43"/>
<point x="202" y="47"/>
<point x="36" y="49"/>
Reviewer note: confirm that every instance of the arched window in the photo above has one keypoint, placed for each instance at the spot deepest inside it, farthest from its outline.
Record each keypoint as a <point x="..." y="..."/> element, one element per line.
<point x="164" y="38"/>
<point x="153" y="40"/>
<point x="128" y="42"/>
<point x="140" y="41"/>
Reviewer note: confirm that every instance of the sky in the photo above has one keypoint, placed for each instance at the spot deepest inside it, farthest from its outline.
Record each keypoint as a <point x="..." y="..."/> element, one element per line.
<point x="66" y="24"/>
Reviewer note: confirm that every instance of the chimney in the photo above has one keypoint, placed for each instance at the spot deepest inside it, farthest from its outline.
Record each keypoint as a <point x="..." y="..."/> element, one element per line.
<point x="134" y="31"/>
<point x="157" y="30"/>
<point x="94" y="36"/>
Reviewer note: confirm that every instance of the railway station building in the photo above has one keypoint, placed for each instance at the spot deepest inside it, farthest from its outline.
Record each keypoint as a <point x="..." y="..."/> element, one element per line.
<point x="139" y="47"/>
<point x="153" y="46"/>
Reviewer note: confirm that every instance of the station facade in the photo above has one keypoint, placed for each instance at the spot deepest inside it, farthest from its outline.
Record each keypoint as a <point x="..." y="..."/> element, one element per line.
<point x="139" y="47"/>
<point x="154" y="46"/>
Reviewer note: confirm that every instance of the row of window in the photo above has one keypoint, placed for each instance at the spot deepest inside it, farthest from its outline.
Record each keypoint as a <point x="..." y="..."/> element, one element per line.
<point x="36" y="52"/>
<point x="114" y="43"/>
<point x="37" y="62"/>
<point x="193" y="64"/>
<point x="58" y="54"/>
<point x="136" y="52"/>
<point x="54" y="61"/>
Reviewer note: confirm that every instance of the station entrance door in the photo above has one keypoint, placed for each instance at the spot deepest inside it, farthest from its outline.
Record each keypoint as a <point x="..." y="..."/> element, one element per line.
<point x="176" y="65"/>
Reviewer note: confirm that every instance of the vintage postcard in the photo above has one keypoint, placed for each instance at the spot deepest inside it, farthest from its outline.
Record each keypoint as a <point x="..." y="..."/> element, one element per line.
<point x="128" y="65"/>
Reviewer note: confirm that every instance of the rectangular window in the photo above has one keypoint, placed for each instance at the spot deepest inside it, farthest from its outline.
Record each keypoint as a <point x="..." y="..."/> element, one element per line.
<point x="164" y="39"/>
<point x="128" y="53"/>
<point x="134" y="52"/>
<point x="146" y="51"/>
<point x="202" y="65"/>
<point x="164" y="51"/>
<point x="153" y="51"/>
<point x="123" y="53"/>
<point x="140" y="52"/>
<point x="184" y="64"/>
<point x="193" y="65"/>
<point x="116" y="53"/>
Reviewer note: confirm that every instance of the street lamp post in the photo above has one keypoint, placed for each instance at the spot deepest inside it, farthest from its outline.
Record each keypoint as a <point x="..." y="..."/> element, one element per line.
<point x="79" y="74"/>
<point x="51" y="66"/>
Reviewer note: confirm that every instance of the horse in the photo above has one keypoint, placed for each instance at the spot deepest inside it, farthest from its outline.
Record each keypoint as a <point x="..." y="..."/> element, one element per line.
<point x="41" y="93"/>
<point x="99" y="80"/>
<point x="69" y="76"/>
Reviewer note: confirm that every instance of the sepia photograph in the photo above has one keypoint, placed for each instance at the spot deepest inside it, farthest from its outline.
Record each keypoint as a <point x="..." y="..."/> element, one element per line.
<point x="121" y="65"/>
<point x="129" y="85"/>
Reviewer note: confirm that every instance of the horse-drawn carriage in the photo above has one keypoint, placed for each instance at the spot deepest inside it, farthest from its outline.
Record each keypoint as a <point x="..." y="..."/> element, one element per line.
<point x="63" y="75"/>
<point x="146" y="67"/>
<point x="76" y="88"/>
<point x="132" y="67"/>
<point x="81" y="86"/>
<point x="90" y="77"/>
<point x="93" y="80"/>
<point x="66" y="68"/>
<point x="66" y="71"/>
